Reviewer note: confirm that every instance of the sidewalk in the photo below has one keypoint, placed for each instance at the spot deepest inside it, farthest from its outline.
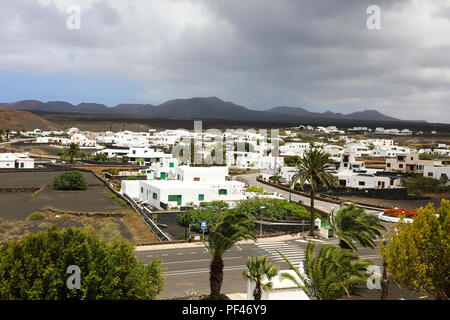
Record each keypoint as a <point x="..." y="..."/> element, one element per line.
<point x="186" y="245"/>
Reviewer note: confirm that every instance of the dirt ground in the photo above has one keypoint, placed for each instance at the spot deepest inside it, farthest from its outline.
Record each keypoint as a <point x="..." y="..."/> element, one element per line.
<point x="15" y="207"/>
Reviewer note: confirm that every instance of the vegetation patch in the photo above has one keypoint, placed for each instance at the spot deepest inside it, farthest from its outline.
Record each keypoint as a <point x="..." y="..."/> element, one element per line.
<point x="72" y="180"/>
<point x="36" y="216"/>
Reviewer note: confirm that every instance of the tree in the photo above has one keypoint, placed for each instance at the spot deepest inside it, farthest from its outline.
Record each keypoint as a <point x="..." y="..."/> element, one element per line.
<point x="333" y="273"/>
<point x="72" y="180"/>
<point x="353" y="223"/>
<point x="313" y="168"/>
<point x="35" y="267"/>
<point x="233" y="226"/>
<point x="417" y="253"/>
<point x="260" y="269"/>
<point x="1" y="134"/>
<point x="72" y="151"/>
<point x="8" y="134"/>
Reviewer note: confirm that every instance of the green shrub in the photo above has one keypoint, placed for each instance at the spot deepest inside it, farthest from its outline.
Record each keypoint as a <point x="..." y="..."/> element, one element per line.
<point x="275" y="209"/>
<point x="122" y="202"/>
<point x="132" y="178"/>
<point x="36" y="216"/>
<point x="217" y="204"/>
<point x="72" y="180"/>
<point x="101" y="157"/>
<point x="195" y="217"/>
<point x="421" y="185"/>
<point x="35" y="268"/>
<point x="255" y="189"/>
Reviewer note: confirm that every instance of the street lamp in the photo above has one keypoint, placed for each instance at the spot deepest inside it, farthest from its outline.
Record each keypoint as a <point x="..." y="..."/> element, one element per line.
<point x="260" y="222"/>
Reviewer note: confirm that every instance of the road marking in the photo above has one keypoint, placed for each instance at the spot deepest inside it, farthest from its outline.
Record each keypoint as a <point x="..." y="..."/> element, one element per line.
<point x="193" y="252"/>
<point x="193" y="271"/>
<point x="198" y="260"/>
<point x="150" y="256"/>
<point x="238" y="248"/>
<point x="179" y="253"/>
<point x="164" y="255"/>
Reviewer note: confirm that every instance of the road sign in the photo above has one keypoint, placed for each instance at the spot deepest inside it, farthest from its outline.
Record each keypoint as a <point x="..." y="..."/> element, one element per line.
<point x="203" y="225"/>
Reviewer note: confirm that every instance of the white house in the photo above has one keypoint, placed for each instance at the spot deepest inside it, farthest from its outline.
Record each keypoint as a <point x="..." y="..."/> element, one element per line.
<point x="16" y="160"/>
<point x="165" y="194"/>
<point x="437" y="172"/>
<point x="366" y="179"/>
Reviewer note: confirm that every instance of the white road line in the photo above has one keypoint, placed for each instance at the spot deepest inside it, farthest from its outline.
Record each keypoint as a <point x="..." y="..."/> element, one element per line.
<point x="198" y="260"/>
<point x="164" y="255"/>
<point x="193" y="271"/>
<point x="193" y="252"/>
<point x="150" y="256"/>
<point x="238" y="248"/>
<point x="179" y="253"/>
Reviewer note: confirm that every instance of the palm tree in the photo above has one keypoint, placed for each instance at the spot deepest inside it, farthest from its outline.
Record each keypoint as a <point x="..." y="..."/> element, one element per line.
<point x="333" y="273"/>
<point x="8" y="134"/>
<point x="353" y="223"/>
<point x="313" y="168"/>
<point x="232" y="227"/>
<point x="260" y="269"/>
<point x="1" y="134"/>
<point x="72" y="151"/>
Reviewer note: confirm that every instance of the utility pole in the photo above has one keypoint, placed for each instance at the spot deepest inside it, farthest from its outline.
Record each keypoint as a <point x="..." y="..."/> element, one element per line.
<point x="260" y="222"/>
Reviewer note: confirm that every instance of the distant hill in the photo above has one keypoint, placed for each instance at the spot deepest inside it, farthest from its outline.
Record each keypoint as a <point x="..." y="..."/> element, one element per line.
<point x="22" y="120"/>
<point x="197" y="108"/>
<point x="360" y="115"/>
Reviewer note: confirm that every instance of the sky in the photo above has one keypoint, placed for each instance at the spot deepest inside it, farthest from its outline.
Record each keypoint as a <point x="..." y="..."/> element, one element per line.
<point x="319" y="55"/>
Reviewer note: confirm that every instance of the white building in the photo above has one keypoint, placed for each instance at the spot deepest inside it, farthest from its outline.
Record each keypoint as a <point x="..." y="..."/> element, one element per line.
<point x="437" y="172"/>
<point x="16" y="160"/>
<point x="366" y="179"/>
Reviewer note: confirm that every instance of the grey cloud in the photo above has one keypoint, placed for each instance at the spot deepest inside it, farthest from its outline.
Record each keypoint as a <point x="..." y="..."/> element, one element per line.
<point x="317" y="54"/>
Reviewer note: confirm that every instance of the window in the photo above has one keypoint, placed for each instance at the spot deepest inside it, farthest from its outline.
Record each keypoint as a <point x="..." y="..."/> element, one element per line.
<point x="223" y="191"/>
<point x="134" y="151"/>
<point x="155" y="196"/>
<point x="196" y="178"/>
<point x="142" y="189"/>
<point x="400" y="165"/>
<point x="173" y="198"/>
<point x="388" y="165"/>
<point x="362" y="183"/>
<point x="444" y="176"/>
<point x="171" y="164"/>
<point x="201" y="197"/>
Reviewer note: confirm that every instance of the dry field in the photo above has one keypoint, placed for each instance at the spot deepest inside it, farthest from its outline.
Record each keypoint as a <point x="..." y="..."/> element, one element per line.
<point x="91" y="208"/>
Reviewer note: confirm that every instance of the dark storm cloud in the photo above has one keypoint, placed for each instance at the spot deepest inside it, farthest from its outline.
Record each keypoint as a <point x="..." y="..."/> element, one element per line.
<point x="315" y="54"/>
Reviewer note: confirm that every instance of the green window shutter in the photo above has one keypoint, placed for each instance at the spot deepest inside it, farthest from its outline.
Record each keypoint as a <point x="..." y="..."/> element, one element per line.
<point x="155" y="196"/>
<point x="170" y="164"/>
<point x="163" y="175"/>
<point x="173" y="198"/>
<point x="201" y="197"/>
<point x="223" y="191"/>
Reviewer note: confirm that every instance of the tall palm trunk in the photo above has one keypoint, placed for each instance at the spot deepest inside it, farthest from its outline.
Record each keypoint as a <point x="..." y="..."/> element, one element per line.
<point x="216" y="277"/>
<point x="257" y="293"/>
<point x="311" y="223"/>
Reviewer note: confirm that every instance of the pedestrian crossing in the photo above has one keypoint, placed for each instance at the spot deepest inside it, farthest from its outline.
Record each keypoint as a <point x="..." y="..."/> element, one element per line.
<point x="294" y="253"/>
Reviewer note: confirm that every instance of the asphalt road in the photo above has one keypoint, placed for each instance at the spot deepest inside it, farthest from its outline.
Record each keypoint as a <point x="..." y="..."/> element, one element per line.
<point x="187" y="269"/>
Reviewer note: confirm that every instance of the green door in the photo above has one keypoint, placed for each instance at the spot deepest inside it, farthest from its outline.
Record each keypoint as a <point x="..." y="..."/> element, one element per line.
<point x="179" y="200"/>
<point x="163" y="175"/>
